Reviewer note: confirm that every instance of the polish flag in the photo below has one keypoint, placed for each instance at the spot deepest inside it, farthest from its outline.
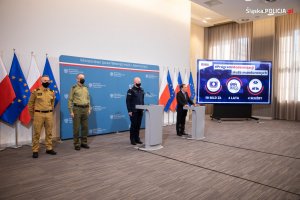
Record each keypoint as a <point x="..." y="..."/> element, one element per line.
<point x="34" y="81"/>
<point x="34" y="76"/>
<point x="164" y="94"/>
<point x="6" y="90"/>
<point x="186" y="81"/>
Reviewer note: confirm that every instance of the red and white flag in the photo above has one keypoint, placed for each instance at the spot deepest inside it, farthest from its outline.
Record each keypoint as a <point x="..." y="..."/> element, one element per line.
<point x="176" y="89"/>
<point x="164" y="94"/>
<point x="34" y="76"/>
<point x="6" y="90"/>
<point x="33" y="81"/>
<point x="186" y="81"/>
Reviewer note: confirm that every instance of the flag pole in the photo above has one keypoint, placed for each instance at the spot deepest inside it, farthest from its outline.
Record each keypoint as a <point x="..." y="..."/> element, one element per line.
<point x="16" y="132"/>
<point x="16" y="124"/>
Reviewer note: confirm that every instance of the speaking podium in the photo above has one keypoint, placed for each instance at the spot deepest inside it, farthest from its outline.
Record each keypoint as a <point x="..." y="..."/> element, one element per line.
<point x="153" y="126"/>
<point x="198" y="121"/>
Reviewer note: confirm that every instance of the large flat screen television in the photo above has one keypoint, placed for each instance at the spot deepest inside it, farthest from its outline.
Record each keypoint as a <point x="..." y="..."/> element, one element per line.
<point x="234" y="82"/>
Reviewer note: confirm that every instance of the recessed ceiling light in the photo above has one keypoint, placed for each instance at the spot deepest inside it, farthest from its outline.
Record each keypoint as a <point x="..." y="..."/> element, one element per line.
<point x="244" y="20"/>
<point x="208" y="18"/>
<point x="204" y="21"/>
<point x="270" y="14"/>
<point x="248" y="0"/>
<point x="211" y="3"/>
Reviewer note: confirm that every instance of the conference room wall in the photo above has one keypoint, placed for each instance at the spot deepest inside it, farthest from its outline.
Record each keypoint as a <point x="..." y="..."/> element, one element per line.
<point x="152" y="32"/>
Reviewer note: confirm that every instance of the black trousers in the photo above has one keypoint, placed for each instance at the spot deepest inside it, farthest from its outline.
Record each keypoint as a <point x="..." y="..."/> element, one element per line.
<point x="180" y="123"/>
<point x="136" y="120"/>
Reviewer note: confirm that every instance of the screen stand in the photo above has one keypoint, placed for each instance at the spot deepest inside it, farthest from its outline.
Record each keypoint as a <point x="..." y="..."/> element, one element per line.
<point x="232" y="111"/>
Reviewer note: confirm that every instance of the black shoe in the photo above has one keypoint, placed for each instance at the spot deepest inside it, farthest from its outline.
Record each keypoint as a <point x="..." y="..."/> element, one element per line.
<point x="139" y="142"/>
<point x="133" y="143"/>
<point x="77" y="148"/>
<point x="179" y="134"/>
<point x="35" y="154"/>
<point x="185" y="133"/>
<point x="85" y="146"/>
<point x="51" y="152"/>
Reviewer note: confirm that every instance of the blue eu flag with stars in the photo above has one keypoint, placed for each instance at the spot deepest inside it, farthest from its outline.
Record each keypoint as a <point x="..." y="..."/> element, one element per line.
<point x="52" y="86"/>
<point x="22" y="91"/>
<point x="172" y="92"/>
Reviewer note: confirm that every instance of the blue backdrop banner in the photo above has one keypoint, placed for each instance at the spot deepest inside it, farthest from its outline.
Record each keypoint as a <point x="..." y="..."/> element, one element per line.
<point x="108" y="82"/>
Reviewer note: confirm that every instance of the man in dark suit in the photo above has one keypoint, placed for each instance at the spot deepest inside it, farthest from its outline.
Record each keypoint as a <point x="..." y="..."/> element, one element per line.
<point x="183" y="99"/>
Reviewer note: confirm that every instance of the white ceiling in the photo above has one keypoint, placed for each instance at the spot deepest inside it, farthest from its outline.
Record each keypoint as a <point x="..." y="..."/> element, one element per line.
<point x="211" y="12"/>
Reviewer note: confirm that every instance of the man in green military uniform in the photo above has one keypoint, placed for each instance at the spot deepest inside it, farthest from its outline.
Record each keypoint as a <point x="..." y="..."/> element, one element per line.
<point x="80" y="108"/>
<point x="40" y="106"/>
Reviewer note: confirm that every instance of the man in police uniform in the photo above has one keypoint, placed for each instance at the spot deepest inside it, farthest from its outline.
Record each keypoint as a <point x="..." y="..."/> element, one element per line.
<point x="135" y="96"/>
<point x="80" y="108"/>
<point x="183" y="99"/>
<point x="40" y="106"/>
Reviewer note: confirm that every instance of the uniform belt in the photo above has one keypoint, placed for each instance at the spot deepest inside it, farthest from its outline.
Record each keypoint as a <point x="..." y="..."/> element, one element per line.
<point x="43" y="111"/>
<point x="81" y="106"/>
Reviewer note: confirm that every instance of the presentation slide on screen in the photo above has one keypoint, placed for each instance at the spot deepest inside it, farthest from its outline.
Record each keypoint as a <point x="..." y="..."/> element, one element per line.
<point x="228" y="81"/>
<point x="107" y="82"/>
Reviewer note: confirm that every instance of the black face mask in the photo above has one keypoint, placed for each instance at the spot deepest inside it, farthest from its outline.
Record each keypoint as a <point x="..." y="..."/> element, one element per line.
<point x="82" y="81"/>
<point x="46" y="84"/>
<point x="138" y="84"/>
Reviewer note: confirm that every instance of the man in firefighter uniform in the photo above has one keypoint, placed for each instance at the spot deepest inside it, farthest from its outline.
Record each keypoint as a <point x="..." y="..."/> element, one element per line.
<point x="135" y="96"/>
<point x="80" y="107"/>
<point x="40" y="106"/>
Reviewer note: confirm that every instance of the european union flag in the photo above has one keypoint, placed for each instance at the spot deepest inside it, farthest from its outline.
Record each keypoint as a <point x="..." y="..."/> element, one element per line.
<point x="22" y="91"/>
<point x="52" y="86"/>
<point x="192" y="87"/>
<point x="172" y="93"/>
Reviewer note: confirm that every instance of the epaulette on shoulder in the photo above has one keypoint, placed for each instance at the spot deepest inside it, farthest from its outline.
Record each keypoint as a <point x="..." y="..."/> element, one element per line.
<point x="74" y="86"/>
